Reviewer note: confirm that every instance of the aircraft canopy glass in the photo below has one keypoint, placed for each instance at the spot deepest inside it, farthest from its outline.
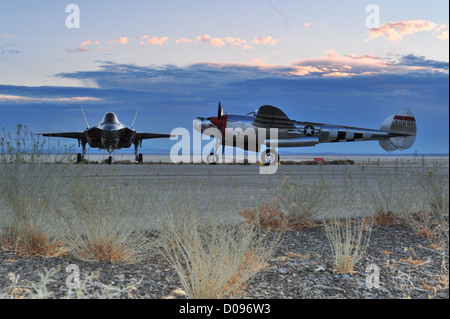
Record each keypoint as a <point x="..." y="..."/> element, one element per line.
<point x="110" y="117"/>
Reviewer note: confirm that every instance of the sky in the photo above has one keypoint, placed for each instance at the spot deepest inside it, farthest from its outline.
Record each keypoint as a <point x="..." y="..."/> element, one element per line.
<point x="348" y="63"/>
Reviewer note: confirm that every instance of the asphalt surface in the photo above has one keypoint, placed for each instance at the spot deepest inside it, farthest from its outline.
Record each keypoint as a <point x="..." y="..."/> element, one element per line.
<point x="239" y="184"/>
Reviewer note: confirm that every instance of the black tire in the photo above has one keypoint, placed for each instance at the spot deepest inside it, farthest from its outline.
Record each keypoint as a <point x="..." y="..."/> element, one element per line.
<point x="109" y="160"/>
<point x="79" y="158"/>
<point x="140" y="158"/>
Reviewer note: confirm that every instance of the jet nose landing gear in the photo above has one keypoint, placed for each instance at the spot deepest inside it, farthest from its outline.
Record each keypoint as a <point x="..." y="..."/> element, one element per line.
<point x="139" y="158"/>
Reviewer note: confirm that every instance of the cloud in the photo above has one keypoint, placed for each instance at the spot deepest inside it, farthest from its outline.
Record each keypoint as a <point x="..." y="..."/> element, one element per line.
<point x="153" y="40"/>
<point x="234" y="42"/>
<point x="122" y="40"/>
<point x="204" y="38"/>
<point x="421" y="61"/>
<point x="183" y="40"/>
<point x="83" y="47"/>
<point x="394" y="31"/>
<point x="27" y="99"/>
<point x="265" y="40"/>
<point x="8" y="51"/>
<point x="171" y="78"/>
<point x="217" y="42"/>
<point x="238" y="43"/>
<point x="442" y="32"/>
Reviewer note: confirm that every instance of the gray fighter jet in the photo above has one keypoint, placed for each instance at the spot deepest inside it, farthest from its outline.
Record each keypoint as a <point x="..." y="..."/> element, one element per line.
<point x="110" y="135"/>
<point x="397" y="132"/>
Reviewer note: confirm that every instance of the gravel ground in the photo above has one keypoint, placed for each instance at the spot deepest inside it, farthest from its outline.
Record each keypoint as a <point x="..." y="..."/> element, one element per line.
<point x="301" y="269"/>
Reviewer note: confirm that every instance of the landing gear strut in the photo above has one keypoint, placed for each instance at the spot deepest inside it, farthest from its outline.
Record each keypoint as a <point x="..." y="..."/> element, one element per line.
<point x="80" y="156"/>
<point x="139" y="157"/>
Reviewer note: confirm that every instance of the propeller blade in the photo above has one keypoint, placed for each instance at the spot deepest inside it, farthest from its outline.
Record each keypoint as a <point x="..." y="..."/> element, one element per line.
<point x="219" y="111"/>
<point x="223" y="146"/>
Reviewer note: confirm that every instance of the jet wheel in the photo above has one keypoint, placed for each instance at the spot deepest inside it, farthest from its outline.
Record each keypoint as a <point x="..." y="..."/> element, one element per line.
<point x="109" y="159"/>
<point x="140" y="158"/>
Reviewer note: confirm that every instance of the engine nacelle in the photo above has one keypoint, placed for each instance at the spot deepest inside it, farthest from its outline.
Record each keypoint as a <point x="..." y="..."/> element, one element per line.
<point x="292" y="142"/>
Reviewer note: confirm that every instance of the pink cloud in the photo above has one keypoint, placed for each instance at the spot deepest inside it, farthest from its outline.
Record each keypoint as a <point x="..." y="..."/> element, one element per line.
<point x="17" y="98"/>
<point x="122" y="40"/>
<point x="183" y="40"/>
<point x="85" y="43"/>
<point x="394" y="31"/>
<point x="217" y="42"/>
<point x="238" y="43"/>
<point x="265" y="40"/>
<point x="204" y="38"/>
<point x="157" y="41"/>
<point x="220" y="42"/>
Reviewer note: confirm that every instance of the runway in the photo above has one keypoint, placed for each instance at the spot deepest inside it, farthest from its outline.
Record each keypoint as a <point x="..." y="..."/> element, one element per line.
<point x="242" y="185"/>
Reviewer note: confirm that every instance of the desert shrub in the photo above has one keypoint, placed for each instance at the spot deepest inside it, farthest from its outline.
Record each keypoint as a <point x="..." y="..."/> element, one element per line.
<point x="348" y="239"/>
<point x="427" y="212"/>
<point x="103" y="221"/>
<point x="387" y="190"/>
<point x="269" y="216"/>
<point x="303" y="202"/>
<point x="214" y="256"/>
<point x="383" y="218"/>
<point x="31" y="173"/>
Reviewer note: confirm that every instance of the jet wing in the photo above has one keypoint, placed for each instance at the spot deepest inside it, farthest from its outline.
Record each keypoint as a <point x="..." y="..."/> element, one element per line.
<point x="144" y="136"/>
<point x="77" y="135"/>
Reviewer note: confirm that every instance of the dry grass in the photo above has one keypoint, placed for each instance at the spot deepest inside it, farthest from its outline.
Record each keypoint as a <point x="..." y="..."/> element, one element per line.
<point x="411" y="261"/>
<point x="303" y="202"/>
<point x="348" y="241"/>
<point x="212" y="259"/>
<point x="270" y="217"/>
<point x="382" y="218"/>
<point x="215" y="265"/>
<point x="30" y="241"/>
<point x="103" y="221"/>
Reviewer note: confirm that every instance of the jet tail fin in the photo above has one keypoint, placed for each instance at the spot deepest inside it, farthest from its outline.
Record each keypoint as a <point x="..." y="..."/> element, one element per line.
<point x="402" y="129"/>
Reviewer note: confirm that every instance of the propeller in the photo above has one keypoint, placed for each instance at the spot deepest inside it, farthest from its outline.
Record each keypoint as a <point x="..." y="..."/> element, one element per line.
<point x="220" y="122"/>
<point x="219" y="111"/>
